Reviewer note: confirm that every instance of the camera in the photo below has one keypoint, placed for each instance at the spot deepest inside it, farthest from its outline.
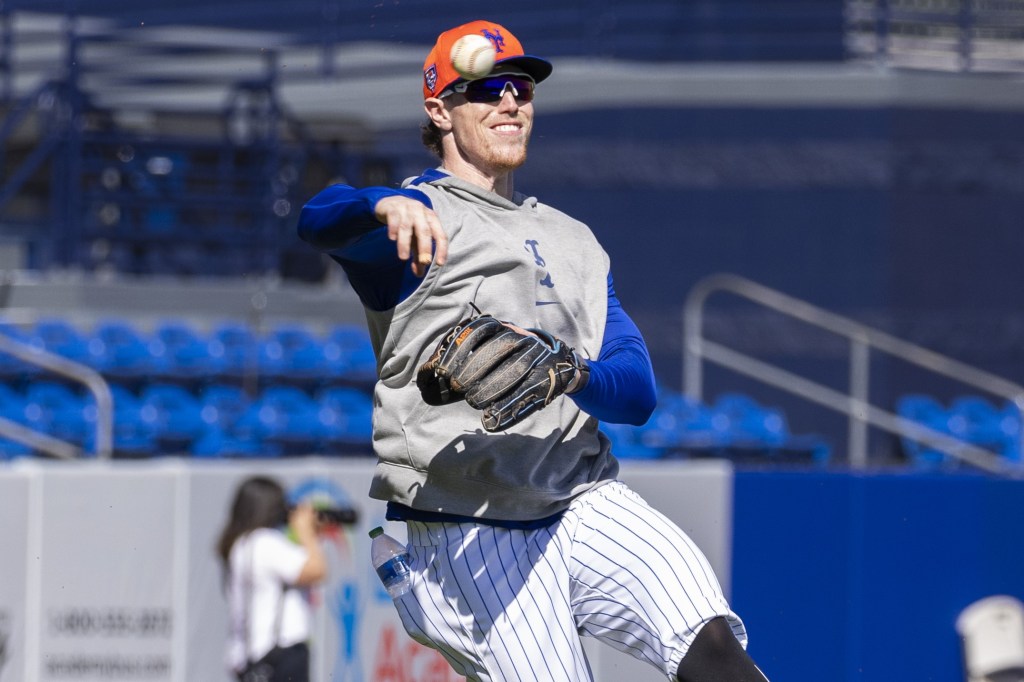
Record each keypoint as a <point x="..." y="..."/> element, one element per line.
<point x="346" y="516"/>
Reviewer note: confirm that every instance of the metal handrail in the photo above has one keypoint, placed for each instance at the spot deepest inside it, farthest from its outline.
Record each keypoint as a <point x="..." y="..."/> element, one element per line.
<point x="96" y="384"/>
<point x="855" y="403"/>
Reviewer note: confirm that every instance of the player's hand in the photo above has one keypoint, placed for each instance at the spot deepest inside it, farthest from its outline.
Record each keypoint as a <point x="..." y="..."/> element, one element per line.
<point x="416" y="231"/>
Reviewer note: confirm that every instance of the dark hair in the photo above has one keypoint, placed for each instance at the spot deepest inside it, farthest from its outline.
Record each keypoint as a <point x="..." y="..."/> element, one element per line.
<point x="259" y="503"/>
<point x="431" y="136"/>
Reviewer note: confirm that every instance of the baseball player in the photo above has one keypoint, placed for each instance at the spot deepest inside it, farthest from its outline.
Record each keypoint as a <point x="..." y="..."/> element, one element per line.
<point x="500" y="345"/>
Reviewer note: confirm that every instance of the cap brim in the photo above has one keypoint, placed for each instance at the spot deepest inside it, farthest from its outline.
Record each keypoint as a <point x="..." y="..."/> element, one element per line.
<point x="538" y="69"/>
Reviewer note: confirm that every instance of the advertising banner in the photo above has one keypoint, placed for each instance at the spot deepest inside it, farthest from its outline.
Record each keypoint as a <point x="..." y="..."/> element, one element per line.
<point x="112" y="572"/>
<point x="14" y="566"/>
<point x="106" y="580"/>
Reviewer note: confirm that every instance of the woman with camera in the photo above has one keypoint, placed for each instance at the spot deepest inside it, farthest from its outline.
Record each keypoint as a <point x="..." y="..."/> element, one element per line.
<point x="270" y="554"/>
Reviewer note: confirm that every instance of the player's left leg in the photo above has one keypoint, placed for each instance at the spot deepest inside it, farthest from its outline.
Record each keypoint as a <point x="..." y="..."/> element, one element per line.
<point x="640" y="584"/>
<point x="715" y="655"/>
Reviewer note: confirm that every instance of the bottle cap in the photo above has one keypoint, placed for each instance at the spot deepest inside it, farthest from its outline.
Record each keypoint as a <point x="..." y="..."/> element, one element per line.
<point x="376" y="531"/>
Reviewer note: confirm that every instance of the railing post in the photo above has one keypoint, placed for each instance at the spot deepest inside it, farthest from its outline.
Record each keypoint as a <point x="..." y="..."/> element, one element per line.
<point x="693" y="352"/>
<point x="882" y="27"/>
<point x="966" y="38"/>
<point x="6" y="55"/>
<point x="854" y="403"/>
<point x="860" y="366"/>
<point x="93" y="381"/>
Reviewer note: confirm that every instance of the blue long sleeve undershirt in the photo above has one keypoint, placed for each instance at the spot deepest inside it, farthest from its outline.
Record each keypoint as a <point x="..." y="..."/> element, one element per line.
<point x="340" y="221"/>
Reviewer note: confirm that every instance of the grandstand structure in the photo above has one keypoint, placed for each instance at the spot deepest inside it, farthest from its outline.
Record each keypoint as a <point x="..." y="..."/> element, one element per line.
<point x="154" y="161"/>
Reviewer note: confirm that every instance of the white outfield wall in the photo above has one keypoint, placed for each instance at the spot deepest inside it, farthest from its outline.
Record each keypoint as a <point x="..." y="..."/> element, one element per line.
<point x="108" y="572"/>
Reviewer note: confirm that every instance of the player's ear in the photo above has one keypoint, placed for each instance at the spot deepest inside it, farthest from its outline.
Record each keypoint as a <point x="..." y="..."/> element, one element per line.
<point x="438" y="113"/>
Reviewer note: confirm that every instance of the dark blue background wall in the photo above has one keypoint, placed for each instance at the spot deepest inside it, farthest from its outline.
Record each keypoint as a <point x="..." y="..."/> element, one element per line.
<point x="861" y="577"/>
<point x="908" y="220"/>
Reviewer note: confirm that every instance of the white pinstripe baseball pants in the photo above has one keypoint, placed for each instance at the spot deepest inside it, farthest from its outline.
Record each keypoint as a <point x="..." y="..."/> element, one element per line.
<point x="510" y="605"/>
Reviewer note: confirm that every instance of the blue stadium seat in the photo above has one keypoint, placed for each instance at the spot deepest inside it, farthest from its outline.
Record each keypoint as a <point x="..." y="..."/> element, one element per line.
<point x="186" y="354"/>
<point x="681" y="426"/>
<point x="349" y="355"/>
<point x="11" y="449"/>
<point x="222" y="404"/>
<point x="746" y="423"/>
<point x="292" y="353"/>
<point x="217" y="443"/>
<point x="56" y="410"/>
<point x="175" y="414"/>
<point x="284" y="417"/>
<point x="237" y="348"/>
<point x="1010" y="418"/>
<point x="60" y="337"/>
<point x="134" y="436"/>
<point x="12" y="402"/>
<point x="346" y="414"/>
<point x="759" y="435"/>
<point x="925" y="410"/>
<point x="12" y="368"/>
<point x="982" y="423"/>
<point x="12" y="407"/>
<point x="123" y="352"/>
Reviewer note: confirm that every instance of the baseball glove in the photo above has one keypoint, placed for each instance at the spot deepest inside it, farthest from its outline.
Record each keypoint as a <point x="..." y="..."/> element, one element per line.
<point x="495" y="368"/>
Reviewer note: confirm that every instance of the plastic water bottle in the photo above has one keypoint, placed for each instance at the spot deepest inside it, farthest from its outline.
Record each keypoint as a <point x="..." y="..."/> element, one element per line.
<point x="391" y="562"/>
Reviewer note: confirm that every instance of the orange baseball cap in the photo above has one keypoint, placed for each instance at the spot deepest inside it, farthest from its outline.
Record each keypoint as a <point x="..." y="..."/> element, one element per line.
<point x="439" y="74"/>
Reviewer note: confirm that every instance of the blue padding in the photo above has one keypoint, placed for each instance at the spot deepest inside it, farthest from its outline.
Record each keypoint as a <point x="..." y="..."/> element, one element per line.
<point x="867" y="573"/>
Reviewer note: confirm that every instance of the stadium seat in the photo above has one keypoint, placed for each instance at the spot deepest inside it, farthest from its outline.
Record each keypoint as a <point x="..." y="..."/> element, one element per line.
<point x="928" y="411"/>
<point x="222" y="404"/>
<point x="12" y="407"/>
<point x="56" y="410"/>
<point x="186" y="355"/>
<point x="217" y="443"/>
<point x="759" y="435"/>
<point x="60" y="337"/>
<point x="292" y="353"/>
<point x="349" y="355"/>
<point x="13" y="369"/>
<point x="11" y="449"/>
<point x="175" y="415"/>
<point x="284" y="417"/>
<point x="237" y="349"/>
<point x="681" y="426"/>
<point x="982" y="423"/>
<point x="12" y="401"/>
<point x="1010" y="419"/>
<point x="134" y="436"/>
<point x="746" y="423"/>
<point x="123" y="353"/>
<point x="346" y="414"/>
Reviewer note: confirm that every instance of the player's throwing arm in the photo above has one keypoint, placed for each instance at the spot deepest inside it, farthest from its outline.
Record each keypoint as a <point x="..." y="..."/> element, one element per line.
<point x="416" y="231"/>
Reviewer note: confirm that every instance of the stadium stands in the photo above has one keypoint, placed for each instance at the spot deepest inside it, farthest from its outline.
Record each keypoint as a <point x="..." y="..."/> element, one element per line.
<point x="734" y="426"/>
<point x="231" y="392"/>
<point x="227" y="391"/>
<point x="180" y="390"/>
<point x="969" y="418"/>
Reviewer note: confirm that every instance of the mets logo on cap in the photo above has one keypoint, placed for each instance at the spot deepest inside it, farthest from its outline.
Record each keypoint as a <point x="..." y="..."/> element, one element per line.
<point x="495" y="37"/>
<point x="430" y="77"/>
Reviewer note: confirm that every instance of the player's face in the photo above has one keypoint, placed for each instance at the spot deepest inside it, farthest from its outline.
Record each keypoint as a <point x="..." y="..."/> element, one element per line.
<point x="492" y="136"/>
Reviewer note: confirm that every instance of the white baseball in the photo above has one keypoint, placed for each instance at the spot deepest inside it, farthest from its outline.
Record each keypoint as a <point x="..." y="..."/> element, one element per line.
<point x="473" y="56"/>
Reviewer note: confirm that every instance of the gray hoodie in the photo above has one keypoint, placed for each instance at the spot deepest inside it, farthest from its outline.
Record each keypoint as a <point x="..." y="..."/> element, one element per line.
<point x="523" y="262"/>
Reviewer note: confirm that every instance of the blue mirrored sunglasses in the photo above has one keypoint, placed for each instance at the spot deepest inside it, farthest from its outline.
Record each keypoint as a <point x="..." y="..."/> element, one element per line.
<point x="491" y="89"/>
